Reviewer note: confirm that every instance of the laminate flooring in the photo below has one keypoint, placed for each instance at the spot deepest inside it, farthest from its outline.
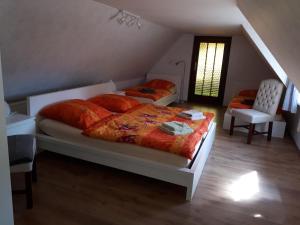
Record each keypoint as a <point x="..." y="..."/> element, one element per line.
<point x="241" y="184"/>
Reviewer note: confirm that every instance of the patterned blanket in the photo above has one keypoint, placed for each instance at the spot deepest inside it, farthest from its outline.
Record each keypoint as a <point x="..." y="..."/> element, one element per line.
<point x="141" y="126"/>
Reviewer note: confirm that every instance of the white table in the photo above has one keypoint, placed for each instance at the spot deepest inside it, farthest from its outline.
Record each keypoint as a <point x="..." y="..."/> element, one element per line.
<point x="20" y="124"/>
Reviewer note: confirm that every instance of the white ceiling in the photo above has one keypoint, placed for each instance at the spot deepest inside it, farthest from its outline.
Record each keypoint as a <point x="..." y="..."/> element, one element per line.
<point x="214" y="17"/>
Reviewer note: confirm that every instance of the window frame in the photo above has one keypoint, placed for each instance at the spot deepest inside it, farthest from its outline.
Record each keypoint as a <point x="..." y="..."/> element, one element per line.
<point x="194" y="65"/>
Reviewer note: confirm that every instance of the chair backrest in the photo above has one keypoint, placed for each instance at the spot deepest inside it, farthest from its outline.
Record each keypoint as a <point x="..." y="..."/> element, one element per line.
<point x="268" y="96"/>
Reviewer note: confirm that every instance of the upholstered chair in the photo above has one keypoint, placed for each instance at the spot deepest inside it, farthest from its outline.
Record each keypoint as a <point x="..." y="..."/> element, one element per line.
<point x="263" y="111"/>
<point x="22" y="150"/>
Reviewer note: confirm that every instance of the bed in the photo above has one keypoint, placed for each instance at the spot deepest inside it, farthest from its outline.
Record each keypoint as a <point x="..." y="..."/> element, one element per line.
<point x="140" y="160"/>
<point x="166" y="99"/>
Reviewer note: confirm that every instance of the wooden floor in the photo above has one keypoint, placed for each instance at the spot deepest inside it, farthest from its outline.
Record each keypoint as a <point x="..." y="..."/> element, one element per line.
<point x="241" y="184"/>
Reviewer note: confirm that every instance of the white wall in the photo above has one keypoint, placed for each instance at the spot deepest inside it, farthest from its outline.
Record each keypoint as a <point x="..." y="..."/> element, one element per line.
<point x="6" y="211"/>
<point x="56" y="44"/>
<point x="292" y="125"/>
<point x="264" y="51"/>
<point x="21" y="106"/>
<point x="277" y="22"/>
<point x="182" y="49"/>
<point x="246" y="67"/>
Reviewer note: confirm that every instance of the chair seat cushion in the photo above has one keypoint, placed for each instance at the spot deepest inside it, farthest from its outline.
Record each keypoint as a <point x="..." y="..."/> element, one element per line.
<point x="21" y="149"/>
<point x="251" y="115"/>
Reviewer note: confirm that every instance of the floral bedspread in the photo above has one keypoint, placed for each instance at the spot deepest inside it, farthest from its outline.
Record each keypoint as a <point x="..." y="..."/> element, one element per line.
<point x="141" y="126"/>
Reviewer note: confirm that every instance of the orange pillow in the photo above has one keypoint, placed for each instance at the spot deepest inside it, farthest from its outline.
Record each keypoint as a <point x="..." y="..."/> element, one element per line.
<point x="159" y="84"/>
<point x="115" y="103"/>
<point x="248" y="93"/>
<point x="77" y="113"/>
<point x="238" y="105"/>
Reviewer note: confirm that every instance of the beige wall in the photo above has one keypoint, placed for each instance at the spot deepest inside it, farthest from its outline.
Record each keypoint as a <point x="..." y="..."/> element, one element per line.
<point x="277" y="22"/>
<point x="54" y="44"/>
<point x="246" y="67"/>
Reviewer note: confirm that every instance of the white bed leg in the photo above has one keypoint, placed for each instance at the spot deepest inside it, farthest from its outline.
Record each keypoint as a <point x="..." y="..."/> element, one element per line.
<point x="199" y="164"/>
<point x="190" y="190"/>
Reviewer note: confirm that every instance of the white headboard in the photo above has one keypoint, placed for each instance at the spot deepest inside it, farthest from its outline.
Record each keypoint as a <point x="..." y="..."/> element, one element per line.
<point x="37" y="102"/>
<point x="173" y="78"/>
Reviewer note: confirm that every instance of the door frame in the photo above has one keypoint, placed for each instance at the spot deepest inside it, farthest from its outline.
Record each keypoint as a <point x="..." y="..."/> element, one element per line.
<point x="194" y="64"/>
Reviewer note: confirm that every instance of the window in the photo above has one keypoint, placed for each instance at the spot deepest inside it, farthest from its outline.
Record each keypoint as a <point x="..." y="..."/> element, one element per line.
<point x="209" y="69"/>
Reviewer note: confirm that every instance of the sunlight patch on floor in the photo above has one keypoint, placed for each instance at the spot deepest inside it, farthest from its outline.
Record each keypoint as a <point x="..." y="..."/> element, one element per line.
<point x="245" y="187"/>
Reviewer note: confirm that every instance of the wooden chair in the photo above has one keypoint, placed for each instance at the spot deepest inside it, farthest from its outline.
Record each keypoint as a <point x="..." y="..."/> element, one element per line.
<point x="21" y="157"/>
<point x="263" y="111"/>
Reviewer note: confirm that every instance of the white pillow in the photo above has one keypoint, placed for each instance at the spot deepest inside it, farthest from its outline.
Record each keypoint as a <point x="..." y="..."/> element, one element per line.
<point x="6" y="109"/>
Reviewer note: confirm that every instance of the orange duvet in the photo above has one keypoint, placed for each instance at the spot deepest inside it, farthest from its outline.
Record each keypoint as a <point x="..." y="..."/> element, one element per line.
<point x="141" y="126"/>
<point x="237" y="102"/>
<point x="158" y="94"/>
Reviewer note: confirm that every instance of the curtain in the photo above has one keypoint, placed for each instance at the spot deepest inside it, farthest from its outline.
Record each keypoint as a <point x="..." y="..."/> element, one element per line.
<point x="290" y="103"/>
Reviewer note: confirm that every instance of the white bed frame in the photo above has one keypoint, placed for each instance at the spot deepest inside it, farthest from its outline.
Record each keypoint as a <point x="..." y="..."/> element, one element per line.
<point x="167" y="100"/>
<point x="187" y="177"/>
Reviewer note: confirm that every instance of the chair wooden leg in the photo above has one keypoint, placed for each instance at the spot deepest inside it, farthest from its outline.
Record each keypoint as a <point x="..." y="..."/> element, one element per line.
<point x="270" y="131"/>
<point x="250" y="134"/>
<point x="34" y="172"/>
<point x="28" y="184"/>
<point x="231" y="125"/>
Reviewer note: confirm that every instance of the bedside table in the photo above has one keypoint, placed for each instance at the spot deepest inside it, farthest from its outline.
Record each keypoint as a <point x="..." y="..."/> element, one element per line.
<point x="20" y="124"/>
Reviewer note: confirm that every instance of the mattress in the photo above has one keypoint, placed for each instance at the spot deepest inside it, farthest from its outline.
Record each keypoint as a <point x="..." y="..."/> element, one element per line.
<point x="65" y="132"/>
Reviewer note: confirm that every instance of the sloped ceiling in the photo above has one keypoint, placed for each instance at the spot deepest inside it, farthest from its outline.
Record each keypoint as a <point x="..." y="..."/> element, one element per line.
<point x="62" y="43"/>
<point x="212" y="17"/>
<point x="55" y="44"/>
<point x="277" y="22"/>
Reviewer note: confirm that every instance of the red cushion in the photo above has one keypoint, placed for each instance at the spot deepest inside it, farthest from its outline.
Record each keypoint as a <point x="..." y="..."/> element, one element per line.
<point x="248" y="93"/>
<point x="160" y="84"/>
<point x="78" y="113"/>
